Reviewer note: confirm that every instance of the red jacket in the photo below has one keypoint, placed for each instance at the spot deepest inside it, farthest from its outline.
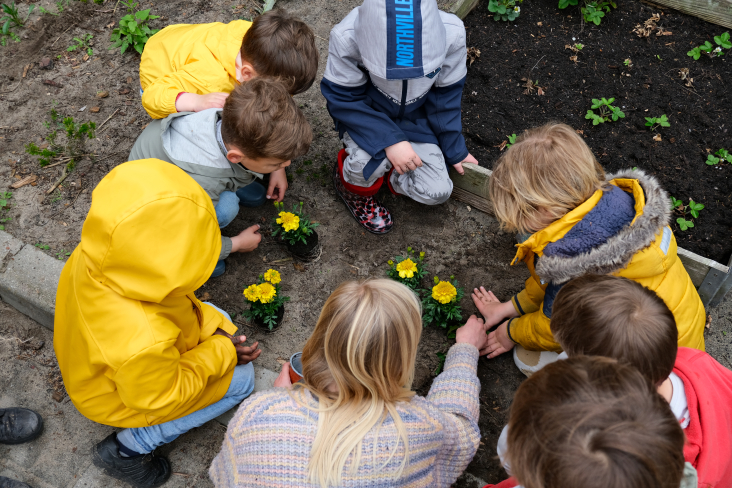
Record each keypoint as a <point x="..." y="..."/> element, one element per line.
<point x="708" y="387"/>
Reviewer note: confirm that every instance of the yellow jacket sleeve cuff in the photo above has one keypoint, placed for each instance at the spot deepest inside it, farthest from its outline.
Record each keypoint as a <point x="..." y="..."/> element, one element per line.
<point x="532" y="332"/>
<point x="523" y="303"/>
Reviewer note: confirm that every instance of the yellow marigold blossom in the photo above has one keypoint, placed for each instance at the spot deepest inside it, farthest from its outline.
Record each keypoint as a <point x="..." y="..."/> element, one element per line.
<point x="289" y="221"/>
<point x="406" y="268"/>
<point x="273" y="276"/>
<point x="267" y="292"/>
<point x="444" y="292"/>
<point x="252" y="293"/>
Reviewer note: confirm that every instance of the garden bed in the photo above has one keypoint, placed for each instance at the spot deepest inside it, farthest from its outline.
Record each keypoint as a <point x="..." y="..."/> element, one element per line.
<point x="533" y="47"/>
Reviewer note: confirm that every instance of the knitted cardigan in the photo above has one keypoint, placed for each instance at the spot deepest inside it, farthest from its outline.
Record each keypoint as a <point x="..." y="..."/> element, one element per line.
<point x="269" y="440"/>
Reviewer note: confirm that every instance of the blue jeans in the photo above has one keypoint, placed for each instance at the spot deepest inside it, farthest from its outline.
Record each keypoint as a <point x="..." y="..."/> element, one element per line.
<point x="146" y="439"/>
<point x="252" y="195"/>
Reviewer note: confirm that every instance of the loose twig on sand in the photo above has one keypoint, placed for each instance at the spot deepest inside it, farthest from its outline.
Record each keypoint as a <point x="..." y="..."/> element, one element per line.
<point x="100" y="126"/>
<point x="60" y="180"/>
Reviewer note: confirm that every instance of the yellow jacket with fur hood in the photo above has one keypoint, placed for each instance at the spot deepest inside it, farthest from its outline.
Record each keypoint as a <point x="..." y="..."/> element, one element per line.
<point x="192" y="58"/>
<point x="134" y="344"/>
<point x="610" y="233"/>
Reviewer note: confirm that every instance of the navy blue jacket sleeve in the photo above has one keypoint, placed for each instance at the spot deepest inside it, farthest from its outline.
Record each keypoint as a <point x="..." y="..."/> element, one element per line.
<point x="373" y="131"/>
<point x="444" y="114"/>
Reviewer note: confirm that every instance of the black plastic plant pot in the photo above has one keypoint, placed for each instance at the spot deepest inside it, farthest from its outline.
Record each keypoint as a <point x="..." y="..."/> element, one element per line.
<point x="306" y="251"/>
<point x="260" y="323"/>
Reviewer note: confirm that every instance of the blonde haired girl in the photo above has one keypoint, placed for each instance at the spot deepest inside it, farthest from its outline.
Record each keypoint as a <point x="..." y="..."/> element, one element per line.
<point x="354" y="420"/>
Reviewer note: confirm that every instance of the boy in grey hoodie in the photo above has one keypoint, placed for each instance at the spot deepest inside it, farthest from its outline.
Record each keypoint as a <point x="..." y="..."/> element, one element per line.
<point x="393" y="84"/>
<point x="259" y="130"/>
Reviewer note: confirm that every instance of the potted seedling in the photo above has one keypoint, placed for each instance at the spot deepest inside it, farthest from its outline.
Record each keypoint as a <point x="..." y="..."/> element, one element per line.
<point x="296" y="231"/>
<point x="266" y="302"/>
<point x="408" y="269"/>
<point x="442" y="307"/>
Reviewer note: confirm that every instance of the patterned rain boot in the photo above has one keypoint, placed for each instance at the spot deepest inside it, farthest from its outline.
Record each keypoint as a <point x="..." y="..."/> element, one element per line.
<point x="368" y="212"/>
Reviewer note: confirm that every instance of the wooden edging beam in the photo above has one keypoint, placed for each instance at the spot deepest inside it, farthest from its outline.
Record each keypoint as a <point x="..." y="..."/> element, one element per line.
<point x="712" y="279"/>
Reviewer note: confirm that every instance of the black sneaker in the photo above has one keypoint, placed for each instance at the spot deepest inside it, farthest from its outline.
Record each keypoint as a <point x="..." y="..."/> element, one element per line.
<point x="143" y="471"/>
<point x="19" y="425"/>
<point x="8" y="483"/>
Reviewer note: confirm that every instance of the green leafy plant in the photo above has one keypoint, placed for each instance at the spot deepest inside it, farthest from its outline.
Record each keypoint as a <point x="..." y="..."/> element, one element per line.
<point x="722" y="41"/>
<point x="511" y="140"/>
<point x="593" y="10"/>
<point x="695" y="208"/>
<point x="442" y="306"/>
<point x="11" y="16"/>
<point x="74" y="146"/>
<point x="686" y="211"/>
<point x="408" y="269"/>
<point x="5" y="197"/>
<point x="628" y="63"/>
<point x="133" y="31"/>
<point x="607" y="111"/>
<point x="43" y="247"/>
<point x="721" y="156"/>
<point x="684" y="224"/>
<point x="579" y="46"/>
<point x="265" y="298"/>
<point x="82" y="43"/>
<point x="675" y="203"/>
<point x="505" y="10"/>
<point x="441" y="356"/>
<point x="130" y="5"/>
<point x="654" y="122"/>
<point x="292" y="227"/>
<point x="63" y="254"/>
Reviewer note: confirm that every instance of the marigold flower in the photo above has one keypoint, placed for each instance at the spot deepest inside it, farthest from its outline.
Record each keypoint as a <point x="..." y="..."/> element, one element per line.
<point x="289" y="221"/>
<point x="390" y="262"/>
<point x="273" y="276"/>
<point x="252" y="293"/>
<point x="267" y="292"/>
<point x="406" y="268"/>
<point x="444" y="292"/>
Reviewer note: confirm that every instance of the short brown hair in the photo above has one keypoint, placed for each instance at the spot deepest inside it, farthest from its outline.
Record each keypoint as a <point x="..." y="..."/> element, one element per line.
<point x="280" y="45"/>
<point x="545" y="174"/>
<point x="591" y="422"/>
<point x="262" y="120"/>
<point x="602" y="315"/>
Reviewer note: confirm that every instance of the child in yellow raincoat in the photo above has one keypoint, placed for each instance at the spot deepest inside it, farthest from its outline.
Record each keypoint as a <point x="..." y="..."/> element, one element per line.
<point x="136" y="348"/>
<point x="549" y="185"/>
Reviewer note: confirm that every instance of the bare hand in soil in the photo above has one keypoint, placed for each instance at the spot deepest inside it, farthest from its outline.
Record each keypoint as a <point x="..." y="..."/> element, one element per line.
<point x="468" y="159"/>
<point x="473" y="332"/>
<point x="498" y="342"/>
<point x="244" y="354"/>
<point x="402" y="157"/>
<point x="277" y="185"/>
<point x="248" y="240"/>
<point x="490" y="308"/>
<point x="190" y="102"/>
<point x="283" y="380"/>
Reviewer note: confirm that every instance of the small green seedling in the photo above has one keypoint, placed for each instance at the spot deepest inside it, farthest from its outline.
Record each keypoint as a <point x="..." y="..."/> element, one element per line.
<point x="63" y="254"/>
<point x="722" y="41"/>
<point x="43" y="247"/>
<point x="579" y="46"/>
<point x="692" y="210"/>
<point x="721" y="156"/>
<point x="711" y="160"/>
<point x="505" y="10"/>
<point x="676" y="203"/>
<point x="654" y="122"/>
<point x="511" y="140"/>
<point x="684" y="224"/>
<point x="133" y="31"/>
<point x="593" y="11"/>
<point x="74" y="145"/>
<point x="695" y="208"/>
<point x="130" y="5"/>
<point x="5" y="197"/>
<point x="628" y="63"/>
<point x="607" y="111"/>
<point x="11" y="15"/>
<point x="82" y="43"/>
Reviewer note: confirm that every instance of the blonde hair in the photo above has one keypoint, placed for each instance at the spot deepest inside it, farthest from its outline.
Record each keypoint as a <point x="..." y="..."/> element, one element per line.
<point x="548" y="172"/>
<point x="364" y="345"/>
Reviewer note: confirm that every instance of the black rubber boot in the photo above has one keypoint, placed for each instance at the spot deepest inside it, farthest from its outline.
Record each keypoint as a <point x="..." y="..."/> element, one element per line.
<point x="19" y="425"/>
<point x="143" y="471"/>
<point x="8" y="483"/>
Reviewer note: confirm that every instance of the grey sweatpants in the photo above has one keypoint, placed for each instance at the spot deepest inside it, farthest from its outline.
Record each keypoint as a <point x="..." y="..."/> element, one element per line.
<point x="429" y="184"/>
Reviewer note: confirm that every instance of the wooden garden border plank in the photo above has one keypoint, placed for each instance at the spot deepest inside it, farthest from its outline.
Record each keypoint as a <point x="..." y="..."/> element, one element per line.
<point x="712" y="278"/>
<point x="714" y="11"/>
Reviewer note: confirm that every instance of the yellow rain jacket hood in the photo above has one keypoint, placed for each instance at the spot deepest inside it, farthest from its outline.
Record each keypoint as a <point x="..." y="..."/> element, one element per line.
<point x="643" y="251"/>
<point x="192" y="58"/>
<point x="134" y="344"/>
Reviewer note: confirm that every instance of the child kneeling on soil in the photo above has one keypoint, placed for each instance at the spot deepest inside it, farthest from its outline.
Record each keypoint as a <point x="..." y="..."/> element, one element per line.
<point x="354" y="420"/>
<point x="136" y="348"/>
<point x="259" y="131"/>
<point x="549" y="185"/>
<point x="591" y="422"/>
<point x="618" y="318"/>
<point x="393" y="85"/>
<point x="193" y="67"/>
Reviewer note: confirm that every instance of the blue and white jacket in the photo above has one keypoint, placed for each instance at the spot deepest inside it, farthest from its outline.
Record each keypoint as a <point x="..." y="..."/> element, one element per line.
<point x="395" y="72"/>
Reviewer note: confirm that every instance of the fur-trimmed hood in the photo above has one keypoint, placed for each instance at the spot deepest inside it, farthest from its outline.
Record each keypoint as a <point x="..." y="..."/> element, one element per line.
<point x="618" y="250"/>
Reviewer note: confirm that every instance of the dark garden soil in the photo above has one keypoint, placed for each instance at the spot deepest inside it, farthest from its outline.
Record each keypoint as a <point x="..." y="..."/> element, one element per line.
<point x="533" y="47"/>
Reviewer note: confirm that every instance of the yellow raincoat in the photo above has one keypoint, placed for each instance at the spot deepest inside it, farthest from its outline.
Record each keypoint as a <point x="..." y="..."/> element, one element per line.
<point x="134" y="344"/>
<point x="644" y="252"/>
<point x="192" y="58"/>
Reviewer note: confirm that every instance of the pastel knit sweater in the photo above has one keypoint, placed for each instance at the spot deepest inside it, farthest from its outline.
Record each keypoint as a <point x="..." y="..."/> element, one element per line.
<point x="269" y="440"/>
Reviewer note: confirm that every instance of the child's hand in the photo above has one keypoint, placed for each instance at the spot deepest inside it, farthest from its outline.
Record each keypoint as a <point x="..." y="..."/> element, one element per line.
<point x="283" y="380"/>
<point x="402" y="157"/>
<point x="473" y="332"/>
<point x="468" y="159"/>
<point x="247" y="240"/>
<point x="498" y="342"/>
<point x="244" y="354"/>
<point x="190" y="102"/>
<point x="277" y="185"/>
<point x="490" y="308"/>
